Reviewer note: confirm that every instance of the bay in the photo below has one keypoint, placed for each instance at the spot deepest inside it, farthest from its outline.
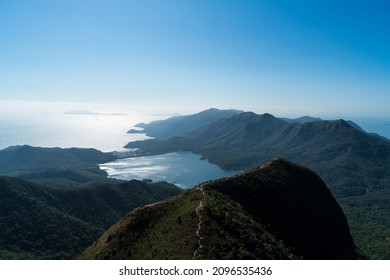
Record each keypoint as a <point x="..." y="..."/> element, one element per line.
<point x="185" y="169"/>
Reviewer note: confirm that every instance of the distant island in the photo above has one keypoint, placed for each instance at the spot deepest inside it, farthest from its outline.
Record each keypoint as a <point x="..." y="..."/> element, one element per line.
<point x="135" y="131"/>
<point x="80" y="112"/>
<point x="86" y="112"/>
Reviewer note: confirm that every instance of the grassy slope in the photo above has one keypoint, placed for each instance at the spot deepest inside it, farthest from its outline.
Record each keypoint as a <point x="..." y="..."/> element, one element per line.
<point x="162" y="231"/>
<point x="277" y="212"/>
<point x="353" y="163"/>
<point x="168" y="231"/>
<point x="231" y="233"/>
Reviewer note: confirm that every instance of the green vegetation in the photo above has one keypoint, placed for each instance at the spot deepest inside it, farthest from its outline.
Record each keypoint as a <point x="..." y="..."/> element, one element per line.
<point x="231" y="233"/>
<point x="63" y="193"/>
<point x="164" y="231"/>
<point x="354" y="164"/>
<point x="369" y="217"/>
<point x="21" y="160"/>
<point x="279" y="211"/>
<point x="292" y="201"/>
<point x="180" y="125"/>
<point x="57" y="222"/>
<point x="69" y="177"/>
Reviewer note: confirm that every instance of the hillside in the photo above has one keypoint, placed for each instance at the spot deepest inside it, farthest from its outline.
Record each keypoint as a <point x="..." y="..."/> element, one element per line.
<point x="276" y="211"/>
<point x="353" y="163"/>
<point x="303" y="119"/>
<point x="348" y="159"/>
<point x="57" y="222"/>
<point x="181" y="125"/>
<point x="19" y="160"/>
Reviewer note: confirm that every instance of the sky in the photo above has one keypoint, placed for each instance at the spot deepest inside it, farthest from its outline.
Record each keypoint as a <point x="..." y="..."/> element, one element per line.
<point x="320" y="58"/>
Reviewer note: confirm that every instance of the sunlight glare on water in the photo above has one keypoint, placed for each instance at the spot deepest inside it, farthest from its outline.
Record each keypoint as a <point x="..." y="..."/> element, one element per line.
<point x="47" y="125"/>
<point x="185" y="169"/>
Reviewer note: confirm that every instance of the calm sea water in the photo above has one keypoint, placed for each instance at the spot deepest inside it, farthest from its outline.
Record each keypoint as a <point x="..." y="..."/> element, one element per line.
<point x="379" y="126"/>
<point x="103" y="132"/>
<point x="185" y="169"/>
<point x="49" y="124"/>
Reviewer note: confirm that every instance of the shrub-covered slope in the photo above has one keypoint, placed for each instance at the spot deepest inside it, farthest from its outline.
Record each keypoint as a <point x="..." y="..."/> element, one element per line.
<point x="277" y="211"/>
<point x="41" y="222"/>
<point x="18" y="160"/>
<point x="354" y="164"/>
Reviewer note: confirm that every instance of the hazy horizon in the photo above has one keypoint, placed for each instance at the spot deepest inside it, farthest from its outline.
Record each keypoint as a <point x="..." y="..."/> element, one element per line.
<point x="44" y="107"/>
<point x="287" y="58"/>
<point x="104" y="126"/>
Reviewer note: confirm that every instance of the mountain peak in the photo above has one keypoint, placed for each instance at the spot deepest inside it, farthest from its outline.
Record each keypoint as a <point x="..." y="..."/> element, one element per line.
<point x="182" y="125"/>
<point x="268" y="115"/>
<point x="277" y="211"/>
<point x="291" y="199"/>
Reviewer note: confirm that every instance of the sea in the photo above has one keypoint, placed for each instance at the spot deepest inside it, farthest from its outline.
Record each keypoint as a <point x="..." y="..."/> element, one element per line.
<point x="48" y="124"/>
<point x="106" y="130"/>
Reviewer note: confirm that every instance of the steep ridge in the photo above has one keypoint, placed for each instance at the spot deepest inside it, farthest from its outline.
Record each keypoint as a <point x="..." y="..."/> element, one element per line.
<point x="277" y="211"/>
<point x="198" y="210"/>
<point x="298" y="207"/>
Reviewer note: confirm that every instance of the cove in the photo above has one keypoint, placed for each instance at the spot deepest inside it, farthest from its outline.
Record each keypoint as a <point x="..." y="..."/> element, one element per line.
<point x="185" y="169"/>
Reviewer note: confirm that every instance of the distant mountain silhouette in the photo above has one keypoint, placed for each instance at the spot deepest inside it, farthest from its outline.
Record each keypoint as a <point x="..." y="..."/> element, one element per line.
<point x="180" y="125"/>
<point x="303" y="119"/>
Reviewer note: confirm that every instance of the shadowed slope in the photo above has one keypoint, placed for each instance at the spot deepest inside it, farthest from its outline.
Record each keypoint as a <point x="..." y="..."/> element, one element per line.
<point x="277" y="211"/>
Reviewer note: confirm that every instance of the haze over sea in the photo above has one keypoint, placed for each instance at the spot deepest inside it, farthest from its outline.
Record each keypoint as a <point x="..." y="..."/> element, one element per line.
<point x="69" y="125"/>
<point x="105" y="129"/>
<point x="102" y="127"/>
<point x="103" y="132"/>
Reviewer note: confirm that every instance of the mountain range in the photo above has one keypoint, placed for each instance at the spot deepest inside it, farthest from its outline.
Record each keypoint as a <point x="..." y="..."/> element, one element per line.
<point x="181" y="125"/>
<point x="58" y="201"/>
<point x="353" y="163"/>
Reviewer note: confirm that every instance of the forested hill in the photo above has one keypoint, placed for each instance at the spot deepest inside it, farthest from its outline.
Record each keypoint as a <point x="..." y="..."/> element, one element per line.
<point x="181" y="125"/>
<point x="276" y="211"/>
<point x="348" y="159"/>
<point x="354" y="164"/>
<point x="25" y="159"/>
<point x="42" y="222"/>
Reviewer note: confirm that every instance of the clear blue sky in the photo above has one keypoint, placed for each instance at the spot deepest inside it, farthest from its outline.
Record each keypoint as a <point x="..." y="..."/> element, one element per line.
<point x="283" y="57"/>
